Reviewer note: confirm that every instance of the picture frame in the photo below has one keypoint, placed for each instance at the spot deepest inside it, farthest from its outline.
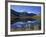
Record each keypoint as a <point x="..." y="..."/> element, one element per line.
<point x="23" y="7"/>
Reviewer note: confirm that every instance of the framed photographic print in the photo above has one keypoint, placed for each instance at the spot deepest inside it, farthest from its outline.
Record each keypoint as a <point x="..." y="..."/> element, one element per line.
<point x="25" y="18"/>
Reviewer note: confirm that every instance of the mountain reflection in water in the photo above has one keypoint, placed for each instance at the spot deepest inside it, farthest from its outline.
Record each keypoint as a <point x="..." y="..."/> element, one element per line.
<point x="23" y="20"/>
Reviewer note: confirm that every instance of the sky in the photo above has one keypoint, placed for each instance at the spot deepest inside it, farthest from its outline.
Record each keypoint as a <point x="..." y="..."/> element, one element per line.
<point x="28" y="9"/>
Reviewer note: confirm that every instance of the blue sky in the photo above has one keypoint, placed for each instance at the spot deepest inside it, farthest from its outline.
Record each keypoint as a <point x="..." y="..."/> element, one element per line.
<point x="28" y="9"/>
